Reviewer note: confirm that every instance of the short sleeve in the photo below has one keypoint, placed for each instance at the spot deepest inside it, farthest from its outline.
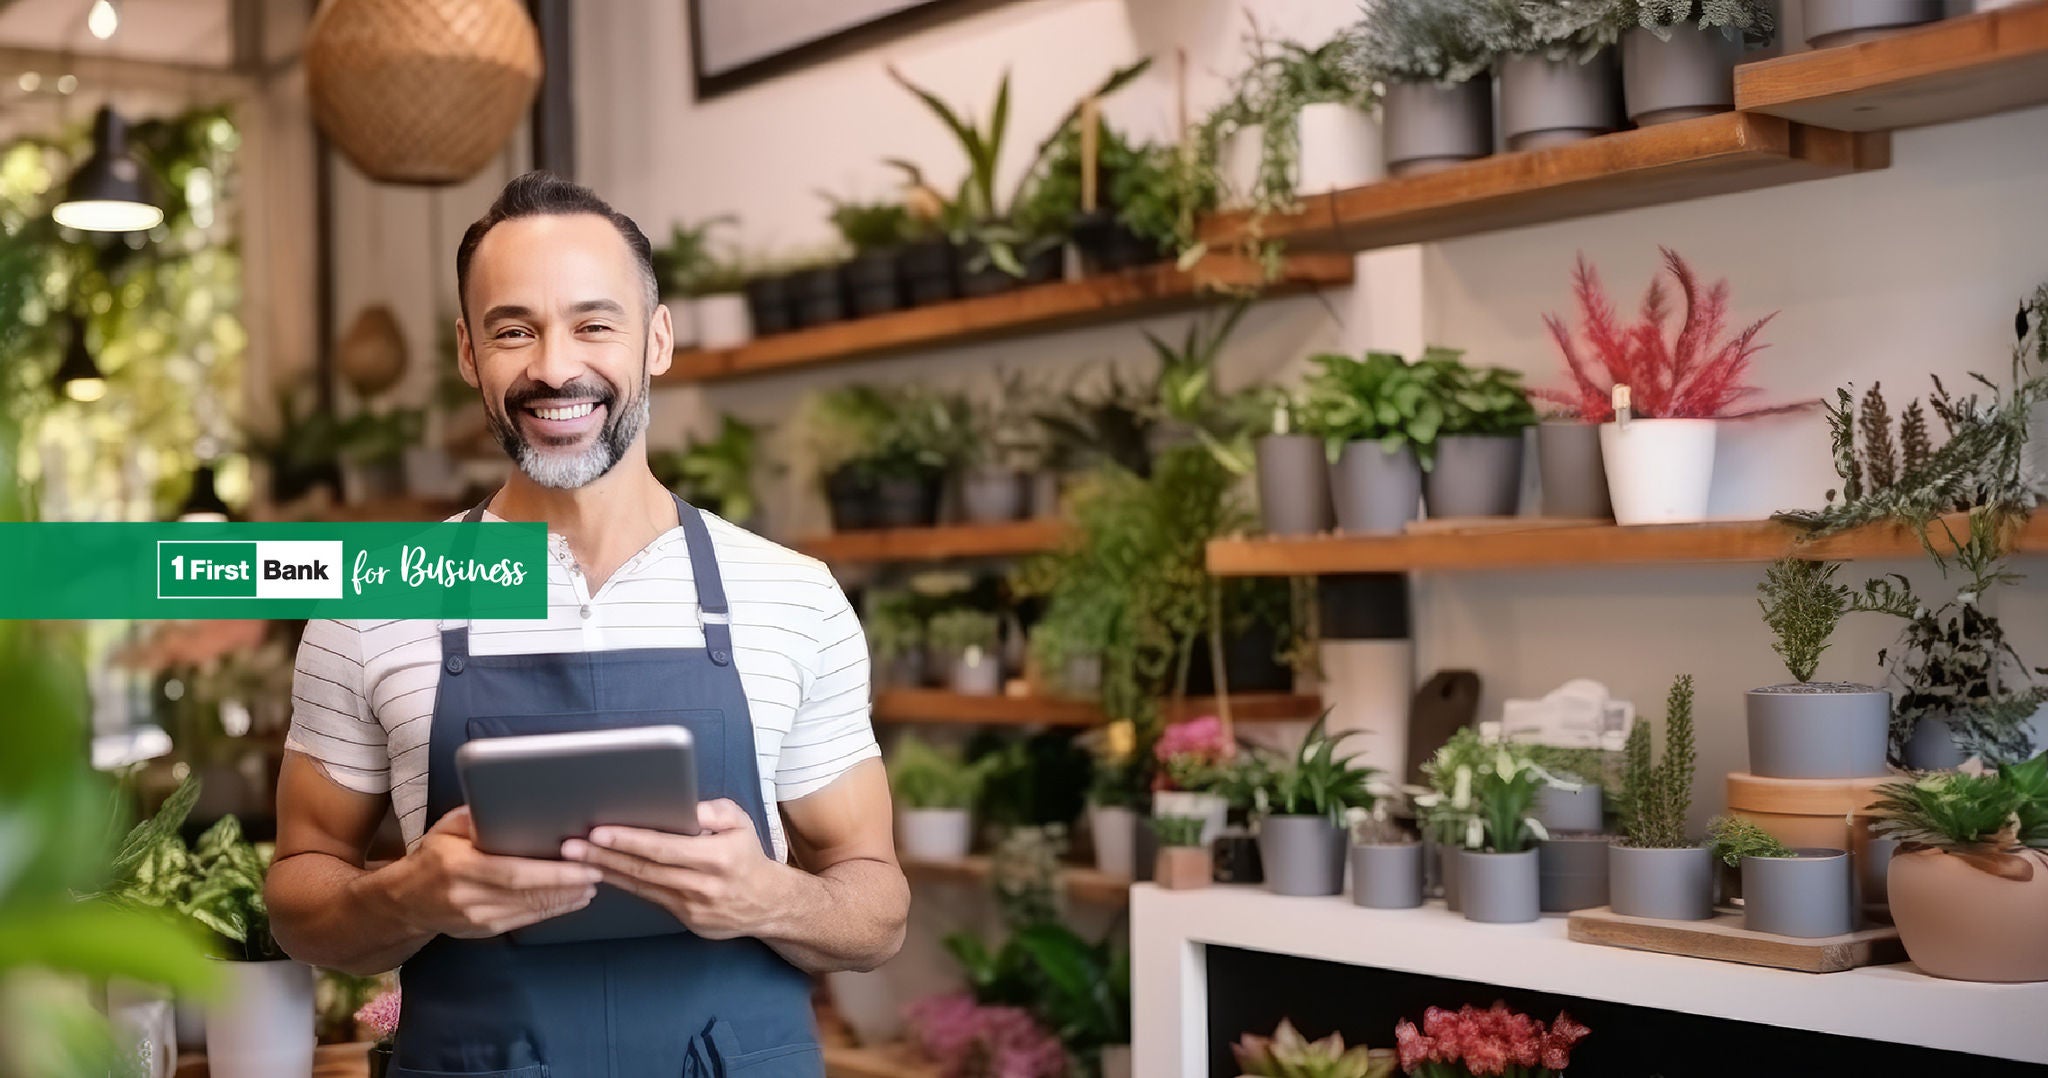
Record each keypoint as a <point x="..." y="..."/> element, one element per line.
<point x="331" y="719"/>
<point x="833" y="729"/>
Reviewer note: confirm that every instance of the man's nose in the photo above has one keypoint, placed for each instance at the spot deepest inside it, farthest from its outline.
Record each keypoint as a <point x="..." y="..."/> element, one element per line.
<point x="553" y="361"/>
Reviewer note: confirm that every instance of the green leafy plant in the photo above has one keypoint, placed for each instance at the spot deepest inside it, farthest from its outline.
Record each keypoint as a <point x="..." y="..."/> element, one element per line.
<point x="717" y="474"/>
<point x="1279" y="79"/>
<point x="1178" y="831"/>
<point x="1504" y="790"/>
<point x="1802" y="604"/>
<point x="893" y="625"/>
<point x="1997" y="812"/>
<point x="1444" y="41"/>
<point x="1381" y="399"/>
<point x="685" y="264"/>
<point x="958" y="630"/>
<point x="923" y="777"/>
<point x="381" y="437"/>
<point x="1188" y="394"/>
<point x="1659" y="793"/>
<point x="1477" y="400"/>
<point x="1735" y="837"/>
<point x="1447" y="810"/>
<point x="878" y="432"/>
<point x="1564" y="29"/>
<point x="1751" y="21"/>
<point x="1111" y="424"/>
<point x="1317" y="781"/>
<point x="1288" y="1054"/>
<point x="1079" y="989"/>
<point x="218" y="882"/>
<point x="1004" y="431"/>
<point x="1036" y="781"/>
<point x="870" y="226"/>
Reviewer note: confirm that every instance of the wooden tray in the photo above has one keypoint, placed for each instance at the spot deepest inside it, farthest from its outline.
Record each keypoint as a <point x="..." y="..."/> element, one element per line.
<point x="1725" y="940"/>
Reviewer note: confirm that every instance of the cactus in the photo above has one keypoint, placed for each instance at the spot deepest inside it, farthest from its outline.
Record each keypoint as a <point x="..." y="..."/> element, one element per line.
<point x="1658" y="793"/>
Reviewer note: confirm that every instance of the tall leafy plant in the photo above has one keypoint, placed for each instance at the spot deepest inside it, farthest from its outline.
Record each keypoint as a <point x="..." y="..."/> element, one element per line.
<point x="1659" y="792"/>
<point x="1317" y="780"/>
<point x="1381" y="398"/>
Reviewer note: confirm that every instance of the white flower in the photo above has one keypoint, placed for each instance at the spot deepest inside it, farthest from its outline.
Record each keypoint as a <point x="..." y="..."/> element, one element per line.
<point x="1475" y="834"/>
<point x="1461" y="789"/>
<point x="1536" y="828"/>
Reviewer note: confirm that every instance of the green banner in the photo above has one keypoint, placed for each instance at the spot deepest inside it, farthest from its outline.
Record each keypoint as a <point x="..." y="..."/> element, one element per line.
<point x="421" y="570"/>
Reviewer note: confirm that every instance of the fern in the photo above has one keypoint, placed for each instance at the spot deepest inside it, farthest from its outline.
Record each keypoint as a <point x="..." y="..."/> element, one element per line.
<point x="1880" y="457"/>
<point x="1915" y="447"/>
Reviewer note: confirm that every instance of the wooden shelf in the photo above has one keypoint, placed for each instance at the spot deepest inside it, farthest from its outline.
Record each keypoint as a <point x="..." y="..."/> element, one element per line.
<point x="1671" y="162"/>
<point x="940" y="706"/>
<point x="1081" y="882"/>
<point x="879" y="1061"/>
<point x="1038" y="309"/>
<point x="1955" y="69"/>
<point x="937" y="544"/>
<point x="1584" y="546"/>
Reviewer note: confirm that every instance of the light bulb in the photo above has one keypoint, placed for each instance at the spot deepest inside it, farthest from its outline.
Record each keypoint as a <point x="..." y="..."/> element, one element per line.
<point x="85" y="390"/>
<point x="103" y="19"/>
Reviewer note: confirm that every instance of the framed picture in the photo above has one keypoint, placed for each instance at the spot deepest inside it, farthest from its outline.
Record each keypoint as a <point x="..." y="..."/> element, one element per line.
<point x="736" y="42"/>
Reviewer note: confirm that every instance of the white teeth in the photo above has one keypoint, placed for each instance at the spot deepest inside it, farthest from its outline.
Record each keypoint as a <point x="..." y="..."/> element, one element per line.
<point x="575" y="411"/>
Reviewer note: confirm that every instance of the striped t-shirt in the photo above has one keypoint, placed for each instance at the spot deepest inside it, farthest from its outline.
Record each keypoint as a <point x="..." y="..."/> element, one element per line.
<point x="363" y="694"/>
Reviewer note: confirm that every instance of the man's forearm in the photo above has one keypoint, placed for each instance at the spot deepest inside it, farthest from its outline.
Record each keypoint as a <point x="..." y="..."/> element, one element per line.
<point x="329" y="913"/>
<point x="849" y="916"/>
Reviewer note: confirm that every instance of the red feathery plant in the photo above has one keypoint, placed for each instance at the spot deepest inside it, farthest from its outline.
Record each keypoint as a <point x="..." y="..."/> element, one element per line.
<point x="1696" y="375"/>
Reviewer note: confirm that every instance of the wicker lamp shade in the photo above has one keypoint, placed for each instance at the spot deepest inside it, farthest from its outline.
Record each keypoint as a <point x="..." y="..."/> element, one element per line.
<point x="421" y="91"/>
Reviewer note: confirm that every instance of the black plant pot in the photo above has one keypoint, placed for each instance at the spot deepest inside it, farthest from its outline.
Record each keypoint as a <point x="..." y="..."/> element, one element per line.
<point x="908" y="501"/>
<point x="1046" y="266"/>
<point x="820" y="296"/>
<point x="979" y="275"/>
<point x="873" y="285"/>
<point x="852" y="499"/>
<point x="380" y="1059"/>
<point x="1248" y="657"/>
<point x="1107" y="246"/>
<point x="928" y="271"/>
<point x="770" y="305"/>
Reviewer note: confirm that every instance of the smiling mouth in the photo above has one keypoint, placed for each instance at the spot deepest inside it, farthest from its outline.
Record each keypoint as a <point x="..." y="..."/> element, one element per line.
<point x="560" y="412"/>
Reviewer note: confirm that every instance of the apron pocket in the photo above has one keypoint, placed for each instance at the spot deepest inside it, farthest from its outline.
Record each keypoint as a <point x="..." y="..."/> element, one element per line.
<point x="537" y="1070"/>
<point x="788" y="1061"/>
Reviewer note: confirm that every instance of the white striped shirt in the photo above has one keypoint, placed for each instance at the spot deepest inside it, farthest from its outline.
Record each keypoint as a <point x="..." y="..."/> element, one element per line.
<point x="363" y="694"/>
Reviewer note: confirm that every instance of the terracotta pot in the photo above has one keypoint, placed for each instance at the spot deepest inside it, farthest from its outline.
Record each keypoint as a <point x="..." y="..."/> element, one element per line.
<point x="1963" y="923"/>
<point x="1183" y="868"/>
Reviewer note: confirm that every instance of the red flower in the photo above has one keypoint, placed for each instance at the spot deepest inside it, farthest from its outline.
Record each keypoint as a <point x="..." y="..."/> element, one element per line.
<point x="1411" y="1047"/>
<point x="1557" y="1044"/>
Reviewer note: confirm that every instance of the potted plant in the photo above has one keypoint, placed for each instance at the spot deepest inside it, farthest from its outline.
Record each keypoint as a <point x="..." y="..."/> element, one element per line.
<point x="1659" y="403"/>
<point x="1559" y="82"/>
<point x="1431" y="57"/>
<point x="926" y="262"/>
<point x="1969" y="883"/>
<point x="1804" y="893"/>
<point x="1292" y="466"/>
<point x="1191" y="760"/>
<point x="969" y="638"/>
<point x="1386" y="863"/>
<point x="1116" y="797"/>
<point x="1446" y="809"/>
<point x="1298" y="122"/>
<point x="718" y="304"/>
<point x="1288" y="1054"/>
<point x="379" y="1018"/>
<point x="1678" y="60"/>
<point x="935" y="793"/>
<point x="924" y="437"/>
<point x="896" y="640"/>
<point x="875" y="232"/>
<point x="1184" y="862"/>
<point x="1378" y="419"/>
<point x="1002" y="453"/>
<point x="680" y="265"/>
<point x="1817" y="730"/>
<point x="1497" y="869"/>
<point x="717" y="475"/>
<point x="1477" y="470"/>
<point x="1301" y="837"/>
<point x="817" y="289"/>
<point x="846" y="427"/>
<point x="1469" y="1042"/>
<point x="770" y="290"/>
<point x="1655" y="870"/>
<point x="1571" y="861"/>
<point x="1829" y="23"/>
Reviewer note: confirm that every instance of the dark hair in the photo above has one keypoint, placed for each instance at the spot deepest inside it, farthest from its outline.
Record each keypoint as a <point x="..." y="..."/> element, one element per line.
<point x="538" y="194"/>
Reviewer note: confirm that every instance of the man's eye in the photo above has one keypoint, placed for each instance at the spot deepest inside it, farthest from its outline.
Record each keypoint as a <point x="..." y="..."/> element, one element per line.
<point x="596" y="327"/>
<point x="510" y="332"/>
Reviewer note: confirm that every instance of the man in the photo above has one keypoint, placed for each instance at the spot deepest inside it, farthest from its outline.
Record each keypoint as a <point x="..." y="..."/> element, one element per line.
<point x="670" y="616"/>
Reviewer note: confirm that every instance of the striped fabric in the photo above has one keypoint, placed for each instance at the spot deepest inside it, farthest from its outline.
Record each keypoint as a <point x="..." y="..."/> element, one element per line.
<point x="363" y="694"/>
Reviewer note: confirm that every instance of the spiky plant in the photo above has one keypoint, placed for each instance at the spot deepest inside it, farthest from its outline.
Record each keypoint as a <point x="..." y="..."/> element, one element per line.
<point x="1977" y="817"/>
<point x="1659" y="792"/>
<point x="1317" y="781"/>
<point x="1734" y="838"/>
<point x="1802" y="604"/>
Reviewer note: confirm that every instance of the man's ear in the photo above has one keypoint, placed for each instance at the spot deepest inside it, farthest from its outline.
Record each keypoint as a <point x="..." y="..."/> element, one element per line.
<point x="465" y="355"/>
<point x="661" y="342"/>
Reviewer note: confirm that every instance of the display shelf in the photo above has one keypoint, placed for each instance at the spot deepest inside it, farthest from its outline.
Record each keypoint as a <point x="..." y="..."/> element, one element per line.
<point x="936" y="544"/>
<point x="880" y="1061"/>
<point x="1712" y="155"/>
<point x="941" y="706"/>
<point x="1042" y="308"/>
<point x="1493" y="546"/>
<point x="1955" y="69"/>
<point x="1894" y="1003"/>
<point x="1080" y="882"/>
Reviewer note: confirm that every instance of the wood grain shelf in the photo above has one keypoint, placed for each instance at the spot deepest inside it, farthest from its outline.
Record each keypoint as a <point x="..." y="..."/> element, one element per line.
<point x="937" y="544"/>
<point x="877" y="1061"/>
<point x="1955" y="69"/>
<point x="1672" y="162"/>
<point x="1042" y="308"/>
<point x="1585" y="546"/>
<point x="940" y="706"/>
<point x="1081" y="882"/>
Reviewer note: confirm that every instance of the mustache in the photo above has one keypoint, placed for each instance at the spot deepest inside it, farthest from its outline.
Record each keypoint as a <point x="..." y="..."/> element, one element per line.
<point x="519" y="397"/>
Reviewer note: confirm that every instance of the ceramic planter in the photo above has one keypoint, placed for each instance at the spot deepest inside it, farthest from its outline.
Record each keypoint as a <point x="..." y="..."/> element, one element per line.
<point x="1183" y="868"/>
<point x="1572" y="872"/>
<point x="1966" y="924"/>
<point x="1428" y="127"/>
<point x="1659" y="471"/>
<point x="908" y="501"/>
<point x="992" y="496"/>
<point x="927" y="269"/>
<point x="1294" y="485"/>
<point x="1546" y="102"/>
<point x="850" y="498"/>
<point x="1670" y="885"/>
<point x="1212" y="808"/>
<point x="866" y="1001"/>
<point x="261" y="1026"/>
<point x="1808" y="896"/>
<point x="1475" y="476"/>
<point x="1373" y="491"/>
<point x="976" y="672"/>
<point x="1932" y="747"/>
<point x="770" y="305"/>
<point x="682" y="320"/>
<point x="1499" y="888"/>
<point x="1688" y="76"/>
<point x="1302" y="855"/>
<point x="874" y="284"/>
<point x="1449" y="858"/>
<point x="1563" y="811"/>
<point x="1387" y="876"/>
<point x="1845" y="22"/>
<point x="934" y="834"/>
<point x="1573" y="474"/>
<point x="722" y="320"/>
<point x="820" y="296"/>
<point x="1818" y="730"/>
<point x="1114" y="829"/>
<point x="1338" y="147"/>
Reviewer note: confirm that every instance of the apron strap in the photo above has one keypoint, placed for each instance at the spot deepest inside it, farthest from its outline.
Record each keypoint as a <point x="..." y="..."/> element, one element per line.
<point x="455" y="641"/>
<point x="711" y="602"/>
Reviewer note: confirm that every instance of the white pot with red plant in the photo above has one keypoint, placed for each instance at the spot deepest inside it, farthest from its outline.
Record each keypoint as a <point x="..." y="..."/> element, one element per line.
<point x="1194" y="758"/>
<point x="1658" y="398"/>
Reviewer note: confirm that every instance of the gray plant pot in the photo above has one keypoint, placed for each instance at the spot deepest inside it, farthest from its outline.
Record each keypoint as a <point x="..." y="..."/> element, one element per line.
<point x="1387" y="877"/>
<point x="1691" y="75"/>
<point x="1500" y="888"/>
<point x="1294" y="485"/>
<point x="977" y="678"/>
<point x="1450" y="858"/>
<point x="1476" y="475"/>
<point x="1572" y="872"/>
<point x="1375" y="492"/>
<point x="1818" y="730"/>
<point x="1302" y="855"/>
<point x="993" y="497"/>
<point x="905" y="671"/>
<point x="1932" y="747"/>
<point x="1573" y="473"/>
<point x="1844" y="22"/>
<point x="1563" y="811"/>
<point x="1670" y="885"/>
<point x="1545" y="102"/>
<point x="1428" y="126"/>
<point x="1808" y="896"/>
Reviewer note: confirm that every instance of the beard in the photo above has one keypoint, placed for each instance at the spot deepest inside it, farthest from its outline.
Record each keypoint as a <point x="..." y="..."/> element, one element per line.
<point x="567" y="468"/>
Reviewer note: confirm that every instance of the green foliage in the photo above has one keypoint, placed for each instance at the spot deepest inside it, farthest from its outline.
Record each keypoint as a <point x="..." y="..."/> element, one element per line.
<point x="1802" y="604"/>
<point x="1279" y="79"/>
<point x="923" y="777"/>
<point x="1752" y="21"/>
<point x="1563" y="29"/>
<point x="717" y="474"/>
<point x="1446" y="812"/>
<point x="218" y="882"/>
<point x="381" y="437"/>
<point x="893" y="625"/>
<point x="1735" y="837"/>
<point x="1445" y="41"/>
<point x="870" y="226"/>
<point x="2002" y="810"/>
<point x="1659" y="793"/>
<point x="882" y="432"/>
<point x="1081" y="990"/>
<point x="1288" y="1054"/>
<point x="959" y="630"/>
<point x="1188" y="394"/>
<point x="1139" y="183"/>
<point x="1036" y="781"/>
<point x="1478" y="400"/>
<point x="1382" y="399"/>
<point x="1317" y="781"/>
<point x="1504" y="789"/>
<point x="1109" y="425"/>
<point x="685" y="264"/>
<point x="1178" y="831"/>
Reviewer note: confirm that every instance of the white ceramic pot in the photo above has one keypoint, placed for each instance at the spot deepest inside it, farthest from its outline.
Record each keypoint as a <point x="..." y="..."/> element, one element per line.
<point x="864" y="999"/>
<point x="1242" y="154"/>
<point x="1340" y="148"/>
<point x="1213" y="810"/>
<point x="682" y="320"/>
<point x="977" y="673"/>
<point x="1115" y="831"/>
<point x="1659" y="471"/>
<point x="144" y="1027"/>
<point x="722" y="321"/>
<point x="262" y="1024"/>
<point x="934" y="834"/>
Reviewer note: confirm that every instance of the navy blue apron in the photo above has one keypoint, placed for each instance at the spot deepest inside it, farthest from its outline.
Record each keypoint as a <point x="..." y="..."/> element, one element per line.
<point x="672" y="1005"/>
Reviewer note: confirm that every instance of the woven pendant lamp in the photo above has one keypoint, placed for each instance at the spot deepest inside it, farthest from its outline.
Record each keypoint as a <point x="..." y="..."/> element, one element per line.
<point x="421" y="91"/>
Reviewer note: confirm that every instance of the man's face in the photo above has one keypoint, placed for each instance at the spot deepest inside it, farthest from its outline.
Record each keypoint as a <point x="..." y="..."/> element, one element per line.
<point x="559" y="340"/>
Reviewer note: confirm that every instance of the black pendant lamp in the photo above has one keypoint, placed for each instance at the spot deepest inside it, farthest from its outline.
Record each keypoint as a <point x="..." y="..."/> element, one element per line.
<point x="109" y="192"/>
<point x="79" y="377"/>
<point x="204" y="503"/>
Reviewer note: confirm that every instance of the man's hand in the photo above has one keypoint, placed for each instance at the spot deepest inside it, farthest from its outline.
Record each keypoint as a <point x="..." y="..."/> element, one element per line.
<point x="448" y="887"/>
<point x="717" y="882"/>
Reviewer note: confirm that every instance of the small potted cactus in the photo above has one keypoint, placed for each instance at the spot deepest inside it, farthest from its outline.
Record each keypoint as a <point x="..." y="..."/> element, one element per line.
<point x="1655" y="870"/>
<point x="1184" y="861"/>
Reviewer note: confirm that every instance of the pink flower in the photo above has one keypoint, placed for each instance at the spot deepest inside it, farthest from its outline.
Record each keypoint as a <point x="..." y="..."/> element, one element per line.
<point x="1486" y="1043"/>
<point x="1201" y="737"/>
<point x="380" y="1015"/>
<point x="968" y="1040"/>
